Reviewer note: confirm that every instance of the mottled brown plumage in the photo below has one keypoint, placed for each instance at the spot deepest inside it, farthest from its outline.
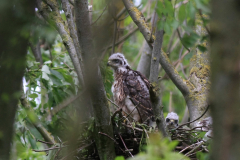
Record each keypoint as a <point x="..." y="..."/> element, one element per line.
<point x="130" y="89"/>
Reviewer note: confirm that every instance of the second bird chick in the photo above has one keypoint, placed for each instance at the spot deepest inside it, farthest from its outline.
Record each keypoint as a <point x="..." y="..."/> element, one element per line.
<point x="172" y="120"/>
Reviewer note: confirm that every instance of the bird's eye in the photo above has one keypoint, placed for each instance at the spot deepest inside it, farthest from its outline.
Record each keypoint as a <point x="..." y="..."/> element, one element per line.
<point x="167" y="120"/>
<point x="116" y="61"/>
<point x="176" y="121"/>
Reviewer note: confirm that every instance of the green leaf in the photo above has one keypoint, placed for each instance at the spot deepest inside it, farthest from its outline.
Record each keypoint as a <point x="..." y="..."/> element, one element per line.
<point x="32" y="141"/>
<point x="45" y="69"/>
<point x="175" y="156"/>
<point x="202" y="48"/>
<point x="57" y="74"/>
<point x="48" y="62"/>
<point x="55" y="80"/>
<point x="169" y="8"/>
<point x="200" y="4"/>
<point x="189" y="55"/>
<point x="34" y="95"/>
<point x="182" y="13"/>
<point x="45" y="76"/>
<point x="189" y="41"/>
<point x="172" y="145"/>
<point x="119" y="158"/>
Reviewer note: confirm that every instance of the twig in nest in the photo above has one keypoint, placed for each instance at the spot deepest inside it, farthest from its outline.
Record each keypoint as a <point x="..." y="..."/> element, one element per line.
<point x="111" y="139"/>
<point x="135" y="128"/>
<point x="130" y="113"/>
<point x="200" y="143"/>
<point x="108" y="137"/>
<point x="187" y="148"/>
<point x="116" y="105"/>
<point x="182" y="129"/>
<point x="125" y="145"/>
<point x="116" y="112"/>
<point x="193" y="120"/>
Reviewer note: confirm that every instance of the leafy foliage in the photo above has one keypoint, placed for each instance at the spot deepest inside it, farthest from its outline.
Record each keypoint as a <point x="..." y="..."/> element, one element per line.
<point x="159" y="149"/>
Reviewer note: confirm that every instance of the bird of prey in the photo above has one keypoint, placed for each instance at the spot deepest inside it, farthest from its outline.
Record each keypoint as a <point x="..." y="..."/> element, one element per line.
<point x="172" y="120"/>
<point x="130" y="90"/>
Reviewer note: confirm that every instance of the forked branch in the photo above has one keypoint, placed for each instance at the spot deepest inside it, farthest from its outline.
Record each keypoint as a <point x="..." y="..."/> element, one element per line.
<point x="139" y="20"/>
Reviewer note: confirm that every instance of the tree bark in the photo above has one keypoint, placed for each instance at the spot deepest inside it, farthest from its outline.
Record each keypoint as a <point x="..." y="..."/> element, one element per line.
<point x="54" y="18"/>
<point x="145" y="60"/>
<point x="225" y="79"/>
<point x="93" y="79"/>
<point x="155" y="94"/>
<point x="144" y="64"/>
<point x="13" y="52"/>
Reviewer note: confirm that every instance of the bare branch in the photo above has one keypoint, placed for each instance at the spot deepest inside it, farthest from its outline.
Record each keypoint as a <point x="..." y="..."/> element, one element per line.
<point x="36" y="52"/>
<point x="139" y="20"/>
<point x="130" y="33"/>
<point x="194" y="119"/>
<point x="100" y="15"/>
<point x="122" y="39"/>
<point x="114" y="36"/>
<point x="173" y="74"/>
<point x="65" y="103"/>
<point x="125" y="145"/>
<point x="72" y="27"/>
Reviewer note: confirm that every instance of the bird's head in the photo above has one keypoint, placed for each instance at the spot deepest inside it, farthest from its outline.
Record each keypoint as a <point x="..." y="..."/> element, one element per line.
<point x="172" y="120"/>
<point x="117" y="60"/>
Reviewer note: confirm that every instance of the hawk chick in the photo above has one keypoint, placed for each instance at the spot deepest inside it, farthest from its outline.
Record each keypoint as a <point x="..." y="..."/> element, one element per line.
<point x="172" y="120"/>
<point x="130" y="89"/>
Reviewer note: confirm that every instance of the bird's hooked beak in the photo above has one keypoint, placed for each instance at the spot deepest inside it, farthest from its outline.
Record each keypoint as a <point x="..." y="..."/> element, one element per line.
<point x="171" y="121"/>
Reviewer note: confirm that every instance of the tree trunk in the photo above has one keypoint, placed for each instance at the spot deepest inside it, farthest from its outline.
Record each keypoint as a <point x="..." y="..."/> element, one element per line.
<point x="13" y="52"/>
<point x="93" y="80"/>
<point x="225" y="90"/>
<point x="155" y="96"/>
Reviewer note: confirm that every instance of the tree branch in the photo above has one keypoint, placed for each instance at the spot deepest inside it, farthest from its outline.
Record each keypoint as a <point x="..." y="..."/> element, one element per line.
<point x="96" y="93"/>
<point x="72" y="27"/>
<point x="155" y="94"/>
<point x="173" y="74"/>
<point x="54" y="18"/>
<point x="36" y="123"/>
<point x="139" y="20"/>
<point x="36" y="52"/>
<point x="137" y="17"/>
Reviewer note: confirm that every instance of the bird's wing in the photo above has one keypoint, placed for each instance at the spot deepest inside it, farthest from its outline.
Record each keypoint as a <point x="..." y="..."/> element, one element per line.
<point x="137" y="89"/>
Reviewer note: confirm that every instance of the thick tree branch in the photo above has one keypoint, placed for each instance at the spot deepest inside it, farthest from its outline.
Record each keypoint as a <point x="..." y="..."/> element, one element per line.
<point x="36" y="52"/>
<point x="54" y="18"/>
<point x="36" y="123"/>
<point x="139" y="20"/>
<point x="72" y="27"/>
<point x="173" y="74"/>
<point x="145" y="61"/>
<point x="155" y="94"/>
<point x="92" y="76"/>
<point x="14" y="17"/>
